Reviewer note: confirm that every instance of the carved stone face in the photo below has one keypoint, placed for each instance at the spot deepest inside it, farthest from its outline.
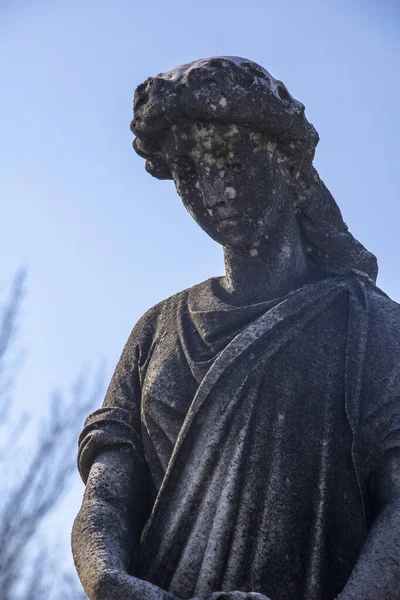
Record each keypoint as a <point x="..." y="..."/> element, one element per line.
<point x="231" y="180"/>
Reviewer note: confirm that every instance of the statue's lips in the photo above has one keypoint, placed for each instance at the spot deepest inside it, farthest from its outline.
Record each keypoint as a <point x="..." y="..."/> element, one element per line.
<point x="226" y="219"/>
<point x="231" y="222"/>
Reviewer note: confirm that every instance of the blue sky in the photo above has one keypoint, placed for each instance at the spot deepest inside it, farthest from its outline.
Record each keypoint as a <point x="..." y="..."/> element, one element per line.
<point x="102" y="240"/>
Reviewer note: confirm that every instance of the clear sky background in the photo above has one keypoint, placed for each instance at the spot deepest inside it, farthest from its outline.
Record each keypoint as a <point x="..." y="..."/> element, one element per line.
<point x="102" y="240"/>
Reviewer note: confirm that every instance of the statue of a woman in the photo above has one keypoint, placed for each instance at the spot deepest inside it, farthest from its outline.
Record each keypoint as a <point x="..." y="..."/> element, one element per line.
<point x="249" y="443"/>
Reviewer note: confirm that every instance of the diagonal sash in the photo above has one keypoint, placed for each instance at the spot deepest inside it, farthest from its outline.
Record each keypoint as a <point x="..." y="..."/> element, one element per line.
<point x="299" y="309"/>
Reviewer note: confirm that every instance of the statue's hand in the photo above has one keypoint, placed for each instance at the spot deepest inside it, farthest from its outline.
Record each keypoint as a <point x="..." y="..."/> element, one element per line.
<point x="119" y="585"/>
<point x="236" y="595"/>
<point x="123" y="586"/>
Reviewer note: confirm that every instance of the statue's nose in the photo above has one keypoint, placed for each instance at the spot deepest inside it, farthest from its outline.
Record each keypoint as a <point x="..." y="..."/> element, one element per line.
<point x="213" y="195"/>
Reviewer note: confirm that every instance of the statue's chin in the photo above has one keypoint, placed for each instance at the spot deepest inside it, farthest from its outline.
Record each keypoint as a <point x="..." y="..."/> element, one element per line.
<point x="242" y="243"/>
<point x="236" y="242"/>
<point x="234" y="237"/>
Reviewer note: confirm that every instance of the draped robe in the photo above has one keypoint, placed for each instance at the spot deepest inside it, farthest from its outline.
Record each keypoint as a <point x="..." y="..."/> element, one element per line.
<point x="263" y="428"/>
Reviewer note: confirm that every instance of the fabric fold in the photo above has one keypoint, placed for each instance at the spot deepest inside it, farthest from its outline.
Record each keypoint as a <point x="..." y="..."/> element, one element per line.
<point x="106" y="428"/>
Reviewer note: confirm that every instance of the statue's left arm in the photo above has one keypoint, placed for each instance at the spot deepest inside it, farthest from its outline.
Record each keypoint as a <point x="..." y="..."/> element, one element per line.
<point x="376" y="575"/>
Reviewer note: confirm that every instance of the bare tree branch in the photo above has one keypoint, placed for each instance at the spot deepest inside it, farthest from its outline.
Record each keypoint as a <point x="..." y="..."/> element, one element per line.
<point x="8" y="324"/>
<point x="45" y="475"/>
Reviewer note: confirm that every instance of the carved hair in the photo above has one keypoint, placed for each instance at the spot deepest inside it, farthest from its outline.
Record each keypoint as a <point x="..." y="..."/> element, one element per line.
<point x="238" y="91"/>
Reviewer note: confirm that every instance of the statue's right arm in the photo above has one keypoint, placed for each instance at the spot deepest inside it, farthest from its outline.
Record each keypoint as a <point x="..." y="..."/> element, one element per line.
<point x="119" y="490"/>
<point x="107" y="529"/>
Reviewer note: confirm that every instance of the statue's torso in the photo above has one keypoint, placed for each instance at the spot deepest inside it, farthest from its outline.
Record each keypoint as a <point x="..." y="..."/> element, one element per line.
<point x="278" y="510"/>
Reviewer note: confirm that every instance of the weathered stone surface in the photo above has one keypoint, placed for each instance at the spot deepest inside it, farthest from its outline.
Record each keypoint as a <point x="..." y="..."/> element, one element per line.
<point x="248" y="444"/>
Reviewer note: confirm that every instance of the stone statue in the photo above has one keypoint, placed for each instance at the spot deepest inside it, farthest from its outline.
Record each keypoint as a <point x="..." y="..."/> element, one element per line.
<point x="249" y="443"/>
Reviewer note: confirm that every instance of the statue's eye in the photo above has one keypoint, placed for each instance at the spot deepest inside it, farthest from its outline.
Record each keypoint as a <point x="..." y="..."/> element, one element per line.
<point x="236" y="168"/>
<point x="185" y="169"/>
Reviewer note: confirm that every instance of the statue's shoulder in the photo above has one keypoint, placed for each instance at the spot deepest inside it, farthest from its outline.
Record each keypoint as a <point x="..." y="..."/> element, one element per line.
<point x="382" y="307"/>
<point x="157" y="318"/>
<point x="383" y="321"/>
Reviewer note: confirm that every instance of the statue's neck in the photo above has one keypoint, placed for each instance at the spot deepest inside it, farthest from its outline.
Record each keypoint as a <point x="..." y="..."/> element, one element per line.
<point x="277" y="266"/>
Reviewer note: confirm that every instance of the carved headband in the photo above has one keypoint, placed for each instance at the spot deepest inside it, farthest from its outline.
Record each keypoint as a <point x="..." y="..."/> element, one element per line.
<point x="225" y="89"/>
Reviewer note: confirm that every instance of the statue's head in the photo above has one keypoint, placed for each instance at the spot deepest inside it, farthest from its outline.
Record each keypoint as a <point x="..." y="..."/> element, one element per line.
<point x="240" y="149"/>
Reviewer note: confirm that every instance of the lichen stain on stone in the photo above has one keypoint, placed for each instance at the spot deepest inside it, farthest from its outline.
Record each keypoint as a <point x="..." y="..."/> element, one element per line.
<point x="233" y="130"/>
<point x="230" y="193"/>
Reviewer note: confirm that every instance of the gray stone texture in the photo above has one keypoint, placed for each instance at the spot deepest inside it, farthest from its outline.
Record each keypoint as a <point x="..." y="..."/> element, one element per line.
<point x="248" y="445"/>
